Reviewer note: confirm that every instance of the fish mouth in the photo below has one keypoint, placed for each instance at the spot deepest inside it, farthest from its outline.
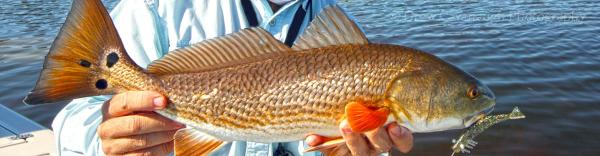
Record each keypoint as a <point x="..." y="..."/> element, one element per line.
<point x="469" y="120"/>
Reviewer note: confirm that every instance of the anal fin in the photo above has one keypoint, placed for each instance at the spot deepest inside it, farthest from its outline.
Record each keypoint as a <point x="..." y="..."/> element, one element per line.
<point x="331" y="147"/>
<point x="191" y="142"/>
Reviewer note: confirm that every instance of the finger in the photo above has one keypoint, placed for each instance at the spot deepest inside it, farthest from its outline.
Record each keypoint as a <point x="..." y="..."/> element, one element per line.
<point x="401" y="137"/>
<point x="133" y="101"/>
<point x="380" y="140"/>
<point x="137" y="142"/>
<point x="314" y="140"/>
<point x="135" y="125"/>
<point x="342" y="150"/>
<point x="355" y="141"/>
<point x="158" y="150"/>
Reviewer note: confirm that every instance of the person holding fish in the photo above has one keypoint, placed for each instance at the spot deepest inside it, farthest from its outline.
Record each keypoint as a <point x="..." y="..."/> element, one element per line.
<point x="126" y="124"/>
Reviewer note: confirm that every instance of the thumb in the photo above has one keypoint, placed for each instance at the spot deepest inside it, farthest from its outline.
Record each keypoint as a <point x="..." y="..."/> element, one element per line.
<point x="401" y="137"/>
<point x="314" y="140"/>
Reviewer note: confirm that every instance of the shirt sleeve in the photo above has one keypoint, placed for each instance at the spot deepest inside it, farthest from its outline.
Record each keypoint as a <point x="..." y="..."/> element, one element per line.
<point x="141" y="30"/>
<point x="75" y="127"/>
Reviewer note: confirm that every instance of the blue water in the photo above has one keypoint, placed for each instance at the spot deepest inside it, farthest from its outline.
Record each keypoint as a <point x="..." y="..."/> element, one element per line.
<point x="540" y="55"/>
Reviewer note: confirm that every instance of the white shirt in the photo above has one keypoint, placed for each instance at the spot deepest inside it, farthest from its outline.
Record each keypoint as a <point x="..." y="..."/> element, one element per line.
<point x="149" y="29"/>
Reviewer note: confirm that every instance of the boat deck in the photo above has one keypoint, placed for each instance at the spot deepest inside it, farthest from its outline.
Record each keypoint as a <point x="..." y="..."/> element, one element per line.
<point x="21" y="136"/>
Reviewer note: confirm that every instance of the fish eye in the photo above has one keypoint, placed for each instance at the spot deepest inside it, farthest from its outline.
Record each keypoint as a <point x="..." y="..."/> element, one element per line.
<point x="473" y="92"/>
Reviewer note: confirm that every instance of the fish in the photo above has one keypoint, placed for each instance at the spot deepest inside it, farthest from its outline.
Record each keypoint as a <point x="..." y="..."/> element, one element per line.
<point x="249" y="86"/>
<point x="465" y="141"/>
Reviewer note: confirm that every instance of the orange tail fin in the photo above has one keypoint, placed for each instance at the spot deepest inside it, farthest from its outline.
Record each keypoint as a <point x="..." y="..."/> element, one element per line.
<point x="81" y="58"/>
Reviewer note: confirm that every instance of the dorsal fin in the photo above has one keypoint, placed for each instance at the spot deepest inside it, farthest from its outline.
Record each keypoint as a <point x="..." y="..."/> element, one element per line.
<point x="331" y="27"/>
<point x="235" y="48"/>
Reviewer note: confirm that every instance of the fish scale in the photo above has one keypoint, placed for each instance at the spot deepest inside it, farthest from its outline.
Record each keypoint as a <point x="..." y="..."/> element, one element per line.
<point x="313" y="93"/>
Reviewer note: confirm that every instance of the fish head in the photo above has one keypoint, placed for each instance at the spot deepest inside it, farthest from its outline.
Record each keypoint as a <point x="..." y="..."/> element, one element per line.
<point x="430" y="95"/>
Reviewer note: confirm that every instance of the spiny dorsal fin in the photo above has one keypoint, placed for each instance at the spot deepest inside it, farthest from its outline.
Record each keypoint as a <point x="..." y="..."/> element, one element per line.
<point x="191" y="142"/>
<point x="222" y="51"/>
<point x="331" y="27"/>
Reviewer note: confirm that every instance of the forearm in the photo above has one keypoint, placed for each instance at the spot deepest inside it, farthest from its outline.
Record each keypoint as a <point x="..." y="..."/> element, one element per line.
<point x="75" y="127"/>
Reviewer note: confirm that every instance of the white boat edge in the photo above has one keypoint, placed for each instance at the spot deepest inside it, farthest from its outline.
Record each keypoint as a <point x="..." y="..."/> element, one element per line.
<point x="22" y="136"/>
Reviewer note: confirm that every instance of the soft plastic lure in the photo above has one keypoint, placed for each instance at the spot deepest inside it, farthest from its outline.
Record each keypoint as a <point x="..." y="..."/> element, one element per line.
<point x="465" y="142"/>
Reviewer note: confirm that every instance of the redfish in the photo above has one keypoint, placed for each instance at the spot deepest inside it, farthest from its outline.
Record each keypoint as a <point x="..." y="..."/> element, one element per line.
<point x="249" y="86"/>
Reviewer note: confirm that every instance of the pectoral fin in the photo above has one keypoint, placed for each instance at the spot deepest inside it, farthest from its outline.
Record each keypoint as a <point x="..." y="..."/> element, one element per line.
<point x="362" y="118"/>
<point x="190" y="142"/>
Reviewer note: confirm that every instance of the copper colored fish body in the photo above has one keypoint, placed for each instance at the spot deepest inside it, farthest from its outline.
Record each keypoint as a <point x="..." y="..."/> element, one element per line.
<point x="294" y="94"/>
<point x="249" y="86"/>
<point x="306" y="92"/>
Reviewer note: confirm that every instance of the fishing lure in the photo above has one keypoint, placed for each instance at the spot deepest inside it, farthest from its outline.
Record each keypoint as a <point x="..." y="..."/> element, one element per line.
<point x="465" y="142"/>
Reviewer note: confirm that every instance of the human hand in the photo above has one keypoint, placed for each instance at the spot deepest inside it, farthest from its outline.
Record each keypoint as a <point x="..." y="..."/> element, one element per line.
<point x="373" y="142"/>
<point x="130" y="127"/>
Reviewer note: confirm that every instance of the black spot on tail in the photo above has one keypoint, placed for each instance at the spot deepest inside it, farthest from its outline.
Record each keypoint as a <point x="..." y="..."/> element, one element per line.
<point x="101" y="84"/>
<point x="112" y="59"/>
<point x="85" y="63"/>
